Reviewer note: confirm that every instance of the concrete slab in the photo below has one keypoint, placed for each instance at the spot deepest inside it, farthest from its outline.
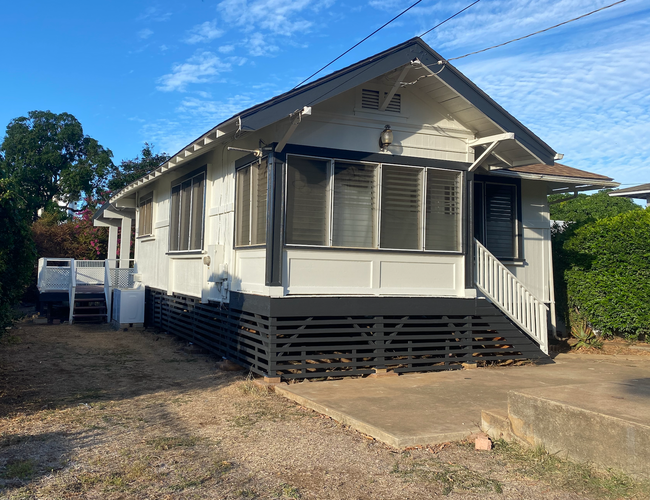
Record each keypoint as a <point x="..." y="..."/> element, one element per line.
<point x="445" y="406"/>
<point x="603" y="423"/>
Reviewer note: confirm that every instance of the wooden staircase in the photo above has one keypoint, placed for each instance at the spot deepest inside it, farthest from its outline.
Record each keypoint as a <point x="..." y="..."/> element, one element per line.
<point x="89" y="305"/>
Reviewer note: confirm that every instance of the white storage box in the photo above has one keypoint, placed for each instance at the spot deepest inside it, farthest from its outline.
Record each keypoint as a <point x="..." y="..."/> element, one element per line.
<point x="128" y="305"/>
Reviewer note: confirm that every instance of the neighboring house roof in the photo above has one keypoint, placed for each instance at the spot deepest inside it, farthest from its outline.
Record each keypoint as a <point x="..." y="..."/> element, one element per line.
<point x="641" y="192"/>
<point x="452" y="90"/>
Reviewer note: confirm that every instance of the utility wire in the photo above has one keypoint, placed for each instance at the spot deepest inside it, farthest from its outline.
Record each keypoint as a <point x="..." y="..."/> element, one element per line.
<point x="357" y="44"/>
<point x="449" y="18"/>
<point x="536" y="33"/>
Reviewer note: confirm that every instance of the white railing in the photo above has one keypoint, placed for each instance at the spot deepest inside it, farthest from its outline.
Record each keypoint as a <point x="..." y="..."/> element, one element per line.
<point x="63" y="274"/>
<point x="54" y="274"/>
<point x="509" y="294"/>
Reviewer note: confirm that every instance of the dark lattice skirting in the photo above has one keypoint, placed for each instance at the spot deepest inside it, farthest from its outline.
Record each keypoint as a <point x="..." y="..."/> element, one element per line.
<point x="306" y="337"/>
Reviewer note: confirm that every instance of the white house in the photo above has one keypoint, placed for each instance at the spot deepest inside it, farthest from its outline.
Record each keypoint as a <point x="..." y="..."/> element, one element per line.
<point x="389" y="216"/>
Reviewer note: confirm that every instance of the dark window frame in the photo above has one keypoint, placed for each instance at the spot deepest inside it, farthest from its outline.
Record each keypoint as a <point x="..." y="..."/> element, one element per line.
<point x="424" y="169"/>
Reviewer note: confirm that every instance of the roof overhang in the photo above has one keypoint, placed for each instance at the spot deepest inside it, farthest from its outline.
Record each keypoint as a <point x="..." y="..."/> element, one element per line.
<point x="558" y="184"/>
<point x="458" y="96"/>
<point x="638" y="192"/>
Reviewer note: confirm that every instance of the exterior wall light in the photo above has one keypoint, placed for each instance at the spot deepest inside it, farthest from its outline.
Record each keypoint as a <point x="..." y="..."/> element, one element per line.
<point x="385" y="139"/>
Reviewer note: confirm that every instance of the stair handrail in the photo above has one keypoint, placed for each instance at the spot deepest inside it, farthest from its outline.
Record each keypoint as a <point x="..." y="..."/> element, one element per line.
<point x="72" y="289"/>
<point x="510" y="295"/>
<point x="108" y="289"/>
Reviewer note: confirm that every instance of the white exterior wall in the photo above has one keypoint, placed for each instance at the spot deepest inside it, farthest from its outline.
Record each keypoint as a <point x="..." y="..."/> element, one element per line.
<point x="340" y="272"/>
<point x="421" y="130"/>
<point x="534" y="273"/>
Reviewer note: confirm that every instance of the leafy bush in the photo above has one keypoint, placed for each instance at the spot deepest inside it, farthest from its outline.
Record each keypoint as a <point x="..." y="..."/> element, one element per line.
<point x="608" y="281"/>
<point x="17" y="254"/>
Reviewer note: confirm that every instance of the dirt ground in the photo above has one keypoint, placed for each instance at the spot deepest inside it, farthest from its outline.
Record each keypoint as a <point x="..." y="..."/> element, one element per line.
<point x="89" y="412"/>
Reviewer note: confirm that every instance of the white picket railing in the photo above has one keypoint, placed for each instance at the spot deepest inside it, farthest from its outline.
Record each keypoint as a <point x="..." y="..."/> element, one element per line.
<point x="503" y="289"/>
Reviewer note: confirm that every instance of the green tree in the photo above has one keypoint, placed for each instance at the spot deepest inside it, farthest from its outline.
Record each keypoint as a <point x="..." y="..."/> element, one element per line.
<point x="129" y="171"/>
<point x="588" y="208"/>
<point x="577" y="213"/>
<point x="17" y="252"/>
<point x="609" y="279"/>
<point x="48" y="157"/>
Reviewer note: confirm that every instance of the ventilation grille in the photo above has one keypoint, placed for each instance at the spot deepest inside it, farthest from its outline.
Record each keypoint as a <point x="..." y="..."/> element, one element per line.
<point x="370" y="100"/>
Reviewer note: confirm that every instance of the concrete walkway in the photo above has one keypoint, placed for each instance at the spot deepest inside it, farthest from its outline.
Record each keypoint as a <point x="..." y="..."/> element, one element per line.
<point x="446" y="406"/>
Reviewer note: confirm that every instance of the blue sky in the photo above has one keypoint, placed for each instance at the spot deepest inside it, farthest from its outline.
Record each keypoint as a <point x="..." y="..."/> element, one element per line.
<point x="166" y="72"/>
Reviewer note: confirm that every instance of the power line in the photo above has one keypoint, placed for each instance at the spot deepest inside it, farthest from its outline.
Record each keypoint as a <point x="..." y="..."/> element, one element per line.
<point x="449" y="18"/>
<point x="537" y="32"/>
<point x="357" y="44"/>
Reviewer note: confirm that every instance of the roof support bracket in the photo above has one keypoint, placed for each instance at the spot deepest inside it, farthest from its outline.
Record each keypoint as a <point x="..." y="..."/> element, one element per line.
<point x="296" y="119"/>
<point x="484" y="155"/>
<point x="397" y="85"/>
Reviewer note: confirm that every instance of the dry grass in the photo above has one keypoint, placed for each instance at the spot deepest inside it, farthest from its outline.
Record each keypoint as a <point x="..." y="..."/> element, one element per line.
<point x="87" y="412"/>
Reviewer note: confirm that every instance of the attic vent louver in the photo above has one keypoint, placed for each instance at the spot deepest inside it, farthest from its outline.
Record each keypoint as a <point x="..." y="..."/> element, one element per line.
<point x="370" y="100"/>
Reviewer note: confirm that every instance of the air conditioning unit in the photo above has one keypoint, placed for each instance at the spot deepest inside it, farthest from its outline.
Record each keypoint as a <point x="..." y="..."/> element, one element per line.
<point x="128" y="306"/>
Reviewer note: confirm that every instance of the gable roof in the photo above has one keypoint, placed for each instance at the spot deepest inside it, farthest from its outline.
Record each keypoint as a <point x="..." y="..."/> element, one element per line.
<point x="456" y="93"/>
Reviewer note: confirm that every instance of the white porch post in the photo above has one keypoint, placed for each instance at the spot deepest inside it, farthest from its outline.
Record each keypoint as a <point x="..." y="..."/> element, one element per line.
<point x="125" y="243"/>
<point x="112" y="243"/>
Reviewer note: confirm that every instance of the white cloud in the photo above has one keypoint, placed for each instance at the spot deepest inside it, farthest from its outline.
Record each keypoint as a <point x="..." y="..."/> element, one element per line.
<point x="226" y="49"/>
<point x="145" y="33"/>
<point x="260" y="45"/>
<point x="591" y="103"/>
<point x="163" y="48"/>
<point x="154" y="14"/>
<point x="275" y="16"/>
<point x="203" y="67"/>
<point x="203" y="32"/>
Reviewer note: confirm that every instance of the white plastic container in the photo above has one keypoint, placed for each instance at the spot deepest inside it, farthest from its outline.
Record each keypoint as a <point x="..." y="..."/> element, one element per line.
<point x="128" y="305"/>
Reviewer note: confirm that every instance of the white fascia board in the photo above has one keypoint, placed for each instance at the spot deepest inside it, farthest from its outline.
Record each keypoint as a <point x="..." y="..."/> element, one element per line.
<point x="632" y="194"/>
<point x="201" y="144"/>
<point x="574" y="182"/>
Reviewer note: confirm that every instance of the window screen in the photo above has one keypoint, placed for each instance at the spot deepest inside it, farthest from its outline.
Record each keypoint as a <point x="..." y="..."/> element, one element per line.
<point x="307" y="201"/>
<point x="355" y="205"/>
<point x="186" y="219"/>
<point x="145" y="216"/>
<point x="243" y="208"/>
<point x="401" y="202"/>
<point x="250" y="211"/>
<point x="443" y="220"/>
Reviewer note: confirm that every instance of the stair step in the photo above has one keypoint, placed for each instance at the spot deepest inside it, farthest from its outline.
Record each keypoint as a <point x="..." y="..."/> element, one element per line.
<point x="89" y="315"/>
<point x="89" y="308"/>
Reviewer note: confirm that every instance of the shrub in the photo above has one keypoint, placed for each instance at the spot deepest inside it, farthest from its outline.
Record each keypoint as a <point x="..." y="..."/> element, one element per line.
<point x="609" y="279"/>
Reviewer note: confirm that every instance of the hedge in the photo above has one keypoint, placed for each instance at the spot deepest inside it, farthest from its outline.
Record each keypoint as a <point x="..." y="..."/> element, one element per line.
<point x="608" y="282"/>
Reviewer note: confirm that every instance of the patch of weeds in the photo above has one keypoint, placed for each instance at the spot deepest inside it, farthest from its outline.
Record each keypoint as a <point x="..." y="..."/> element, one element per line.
<point x="247" y="493"/>
<point x="9" y="339"/>
<point x="88" y="394"/>
<point x="19" y="469"/>
<point x="451" y="477"/>
<point x="180" y="360"/>
<point x="537" y="463"/>
<point x="250" y="388"/>
<point x="288" y="491"/>
<point x="167" y="443"/>
<point x="243" y="421"/>
<point x="222" y="467"/>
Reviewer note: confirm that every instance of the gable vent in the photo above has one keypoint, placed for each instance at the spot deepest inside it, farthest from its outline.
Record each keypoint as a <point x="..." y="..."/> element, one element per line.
<point x="370" y="100"/>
